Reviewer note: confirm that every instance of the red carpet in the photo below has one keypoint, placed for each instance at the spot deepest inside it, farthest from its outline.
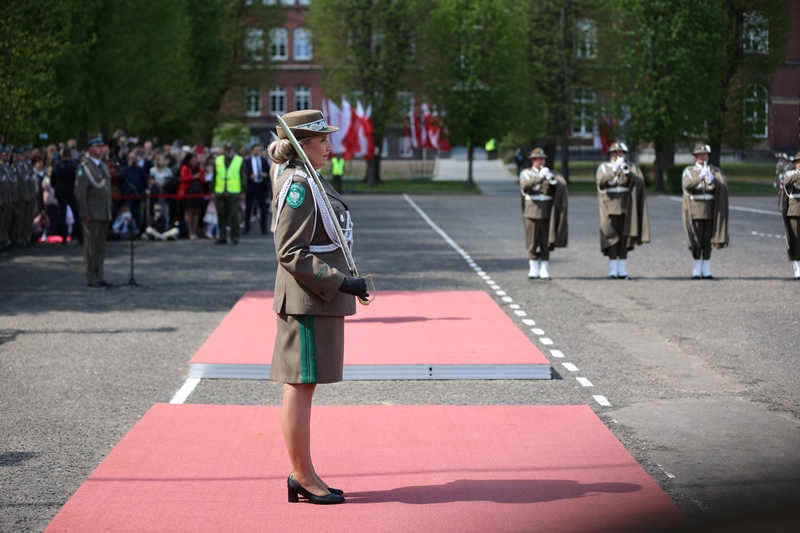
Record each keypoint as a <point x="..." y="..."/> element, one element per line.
<point x="199" y="468"/>
<point x="402" y="335"/>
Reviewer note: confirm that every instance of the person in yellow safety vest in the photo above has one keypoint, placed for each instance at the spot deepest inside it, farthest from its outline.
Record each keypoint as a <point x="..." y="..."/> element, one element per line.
<point x="491" y="149"/>
<point x="337" y="171"/>
<point x="230" y="178"/>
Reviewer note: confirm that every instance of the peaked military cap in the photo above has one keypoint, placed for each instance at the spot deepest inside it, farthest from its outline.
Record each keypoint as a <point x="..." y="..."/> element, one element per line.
<point x="95" y="140"/>
<point x="701" y="149"/>
<point x="308" y="123"/>
<point x="537" y="153"/>
<point x="795" y="158"/>
<point x="618" y="147"/>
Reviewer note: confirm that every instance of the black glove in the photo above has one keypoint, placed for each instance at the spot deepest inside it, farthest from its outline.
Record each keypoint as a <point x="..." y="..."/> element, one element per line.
<point x="355" y="286"/>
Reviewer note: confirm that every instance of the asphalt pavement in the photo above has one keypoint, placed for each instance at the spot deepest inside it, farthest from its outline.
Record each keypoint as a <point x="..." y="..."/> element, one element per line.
<point x="700" y="377"/>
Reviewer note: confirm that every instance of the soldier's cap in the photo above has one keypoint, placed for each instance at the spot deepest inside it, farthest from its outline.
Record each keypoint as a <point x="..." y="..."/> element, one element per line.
<point x="304" y="124"/>
<point x="701" y="149"/>
<point x="781" y="155"/>
<point x="537" y="153"/>
<point x="796" y="157"/>
<point x="228" y="145"/>
<point x="19" y="150"/>
<point x="618" y="147"/>
<point x="95" y="140"/>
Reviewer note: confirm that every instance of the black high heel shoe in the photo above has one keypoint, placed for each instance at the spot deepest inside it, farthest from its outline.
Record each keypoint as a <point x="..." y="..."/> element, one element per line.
<point x="338" y="492"/>
<point x="296" y="489"/>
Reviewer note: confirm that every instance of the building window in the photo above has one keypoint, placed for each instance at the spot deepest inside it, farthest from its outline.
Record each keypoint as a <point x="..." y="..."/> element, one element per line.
<point x="253" y="44"/>
<point x="583" y="102"/>
<point x="252" y="102"/>
<point x="277" y="100"/>
<point x="302" y="97"/>
<point x="755" y="38"/>
<point x="302" y="45"/>
<point x="756" y="111"/>
<point x="278" y="44"/>
<point x="405" y="102"/>
<point x="586" y="39"/>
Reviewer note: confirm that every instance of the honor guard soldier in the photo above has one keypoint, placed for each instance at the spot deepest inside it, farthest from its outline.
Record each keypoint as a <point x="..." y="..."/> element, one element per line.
<point x="544" y="213"/>
<point x="5" y="198"/>
<point x="93" y="196"/>
<point x="705" y="210"/>
<point x="790" y="211"/>
<point x="624" y="222"/>
<point x="785" y="163"/>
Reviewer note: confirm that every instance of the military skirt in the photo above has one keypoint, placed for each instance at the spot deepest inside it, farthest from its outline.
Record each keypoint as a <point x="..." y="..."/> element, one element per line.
<point x="308" y="349"/>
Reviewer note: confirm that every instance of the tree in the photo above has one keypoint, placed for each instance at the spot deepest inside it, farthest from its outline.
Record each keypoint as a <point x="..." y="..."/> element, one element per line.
<point x="32" y="40"/>
<point x="665" y="54"/>
<point x="470" y="58"/>
<point x="559" y="42"/>
<point x="755" y="34"/>
<point x="367" y="46"/>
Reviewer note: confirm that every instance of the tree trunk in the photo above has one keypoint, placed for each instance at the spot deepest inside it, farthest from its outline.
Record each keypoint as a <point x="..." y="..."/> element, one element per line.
<point x="665" y="157"/>
<point x="373" y="176"/>
<point x="470" y="152"/>
<point x="564" y="154"/>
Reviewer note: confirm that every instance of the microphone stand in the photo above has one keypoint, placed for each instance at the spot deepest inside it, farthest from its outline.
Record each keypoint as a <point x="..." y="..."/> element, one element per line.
<point x="132" y="280"/>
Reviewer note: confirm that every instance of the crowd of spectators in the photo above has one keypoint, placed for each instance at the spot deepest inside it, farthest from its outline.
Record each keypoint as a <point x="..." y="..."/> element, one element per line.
<point x="159" y="193"/>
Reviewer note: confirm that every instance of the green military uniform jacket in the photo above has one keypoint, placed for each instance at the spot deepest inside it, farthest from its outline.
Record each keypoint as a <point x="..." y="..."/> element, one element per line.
<point x="93" y="190"/>
<point x="532" y="187"/>
<point x="307" y="282"/>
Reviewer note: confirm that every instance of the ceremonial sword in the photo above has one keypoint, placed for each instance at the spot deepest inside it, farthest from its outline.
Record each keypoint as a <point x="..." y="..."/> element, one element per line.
<point x="348" y="255"/>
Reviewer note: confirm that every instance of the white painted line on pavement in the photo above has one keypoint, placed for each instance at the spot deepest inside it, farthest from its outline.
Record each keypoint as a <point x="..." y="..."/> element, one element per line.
<point x="770" y="235"/>
<point x="184" y="392"/>
<point x="734" y="207"/>
<point x="665" y="472"/>
<point x="489" y="281"/>
<point x="601" y="400"/>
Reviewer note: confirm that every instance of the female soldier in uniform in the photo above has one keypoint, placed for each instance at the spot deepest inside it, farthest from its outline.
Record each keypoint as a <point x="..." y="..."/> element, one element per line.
<point x="313" y="293"/>
<point x="790" y="210"/>
<point x="705" y="210"/>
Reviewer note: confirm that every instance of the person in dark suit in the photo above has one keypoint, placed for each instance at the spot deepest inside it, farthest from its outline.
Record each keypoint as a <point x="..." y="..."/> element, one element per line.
<point x="259" y="188"/>
<point x="314" y="291"/>
<point x="64" y="184"/>
<point x="93" y="195"/>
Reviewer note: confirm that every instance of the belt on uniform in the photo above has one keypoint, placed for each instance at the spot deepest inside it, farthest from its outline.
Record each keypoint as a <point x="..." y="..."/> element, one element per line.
<point x="616" y="189"/>
<point x="539" y="197"/>
<point x="701" y="196"/>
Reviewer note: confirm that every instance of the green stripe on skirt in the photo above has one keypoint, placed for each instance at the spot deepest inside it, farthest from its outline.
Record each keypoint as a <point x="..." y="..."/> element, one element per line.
<point x="308" y="356"/>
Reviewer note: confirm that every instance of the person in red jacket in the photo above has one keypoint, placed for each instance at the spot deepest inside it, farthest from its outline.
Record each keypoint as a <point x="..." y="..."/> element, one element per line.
<point x="189" y="185"/>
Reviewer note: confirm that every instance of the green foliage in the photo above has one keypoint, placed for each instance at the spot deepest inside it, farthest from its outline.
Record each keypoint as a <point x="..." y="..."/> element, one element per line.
<point x="470" y="61"/>
<point x="31" y="40"/>
<point x="673" y="183"/>
<point x="367" y="47"/>
<point x="153" y="68"/>
<point x="232" y="132"/>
